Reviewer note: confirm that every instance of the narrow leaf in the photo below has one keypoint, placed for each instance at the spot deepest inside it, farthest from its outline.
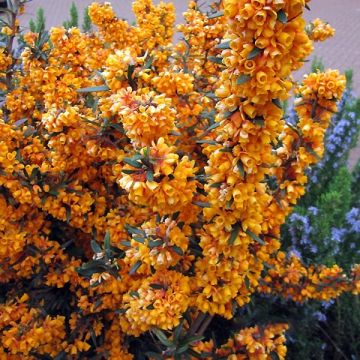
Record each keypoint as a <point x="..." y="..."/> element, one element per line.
<point x="242" y="79"/>
<point x="240" y="167"/>
<point x="216" y="15"/>
<point x="133" y="230"/>
<point x="282" y="17"/>
<point x="93" y="89"/>
<point x="95" y="247"/>
<point x="254" y="53"/>
<point x="202" y="204"/>
<point x="177" y="250"/>
<point x="255" y="237"/>
<point x="133" y="163"/>
<point x="234" y="233"/>
<point x="135" y="267"/>
<point x="149" y="175"/>
<point x="213" y="126"/>
<point x="216" y="60"/>
<point x="155" y="243"/>
<point x="209" y="142"/>
<point x="107" y="241"/>
<point x="162" y="337"/>
<point x="223" y="45"/>
<point x="277" y="103"/>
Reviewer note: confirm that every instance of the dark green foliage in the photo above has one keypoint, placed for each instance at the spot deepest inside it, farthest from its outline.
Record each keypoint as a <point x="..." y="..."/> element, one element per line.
<point x="39" y="24"/>
<point x="74" y="18"/>
<point x="86" y="26"/>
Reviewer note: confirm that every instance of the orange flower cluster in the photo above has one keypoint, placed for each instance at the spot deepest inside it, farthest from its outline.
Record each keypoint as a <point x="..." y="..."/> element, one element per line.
<point x="143" y="184"/>
<point x="320" y="30"/>
<point x="288" y="277"/>
<point x="251" y="343"/>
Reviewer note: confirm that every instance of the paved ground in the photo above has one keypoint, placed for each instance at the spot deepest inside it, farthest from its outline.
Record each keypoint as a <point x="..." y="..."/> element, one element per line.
<point x="341" y="52"/>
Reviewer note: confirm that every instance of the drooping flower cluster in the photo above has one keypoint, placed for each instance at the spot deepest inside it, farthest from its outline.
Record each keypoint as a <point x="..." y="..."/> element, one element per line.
<point x="320" y="30"/>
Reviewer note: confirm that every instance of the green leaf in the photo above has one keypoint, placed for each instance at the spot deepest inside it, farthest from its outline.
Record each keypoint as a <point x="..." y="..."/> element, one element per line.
<point x="240" y="167"/>
<point x="20" y="122"/>
<point x="60" y="356"/>
<point x="155" y="243"/>
<point x="216" y="15"/>
<point x="134" y="294"/>
<point x="148" y="63"/>
<point x="150" y="307"/>
<point x="128" y="171"/>
<point x="226" y="150"/>
<point x="130" y="78"/>
<point x="177" y="250"/>
<point x="107" y="243"/>
<point x="120" y="311"/>
<point x="157" y="286"/>
<point x="311" y="151"/>
<point x="223" y="46"/>
<point x="247" y="282"/>
<point x="181" y="349"/>
<point x="149" y="175"/>
<point x="202" y="204"/>
<point x="216" y="185"/>
<point x="125" y="243"/>
<point x="242" y="79"/>
<point x="140" y="240"/>
<point x="95" y="247"/>
<point x="162" y="337"/>
<point x="209" y="142"/>
<point x="133" y="230"/>
<point x="93" y="336"/>
<point x="234" y="233"/>
<point x="177" y="330"/>
<point x="132" y="163"/>
<point x="93" y="89"/>
<point x="175" y="215"/>
<point x="277" y="103"/>
<point x="282" y="17"/>
<point x="34" y="173"/>
<point x="216" y="59"/>
<point x="68" y="213"/>
<point x="135" y="267"/>
<point x="254" y="53"/>
<point x="213" y="126"/>
<point x="259" y="120"/>
<point x="255" y="237"/>
<point x="227" y="114"/>
<point x="193" y="338"/>
<point x="29" y="131"/>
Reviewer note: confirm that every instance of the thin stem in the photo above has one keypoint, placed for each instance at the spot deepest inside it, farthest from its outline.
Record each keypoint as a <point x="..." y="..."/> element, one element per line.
<point x="333" y="342"/>
<point x="197" y="323"/>
<point x="205" y="324"/>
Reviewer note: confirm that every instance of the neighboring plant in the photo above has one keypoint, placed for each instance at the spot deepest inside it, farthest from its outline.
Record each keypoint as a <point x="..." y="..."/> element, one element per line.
<point x="74" y="18"/>
<point x="39" y="24"/>
<point x="143" y="184"/>
<point x="86" y="26"/>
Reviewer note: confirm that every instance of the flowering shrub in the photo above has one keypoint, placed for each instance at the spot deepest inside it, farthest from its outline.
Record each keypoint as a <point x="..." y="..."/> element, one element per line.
<point x="144" y="184"/>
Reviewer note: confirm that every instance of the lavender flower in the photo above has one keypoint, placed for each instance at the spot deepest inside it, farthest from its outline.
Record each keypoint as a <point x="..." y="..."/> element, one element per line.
<point x="353" y="219"/>
<point x="319" y="316"/>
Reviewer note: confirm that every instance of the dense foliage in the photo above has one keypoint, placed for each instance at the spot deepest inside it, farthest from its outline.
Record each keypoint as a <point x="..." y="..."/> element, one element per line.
<point x="143" y="184"/>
